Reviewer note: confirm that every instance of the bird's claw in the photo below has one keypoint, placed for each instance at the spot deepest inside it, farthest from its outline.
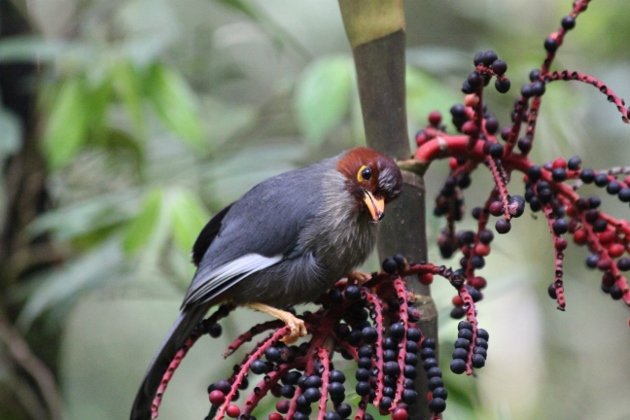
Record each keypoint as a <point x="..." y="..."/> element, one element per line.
<point x="359" y="277"/>
<point x="297" y="329"/>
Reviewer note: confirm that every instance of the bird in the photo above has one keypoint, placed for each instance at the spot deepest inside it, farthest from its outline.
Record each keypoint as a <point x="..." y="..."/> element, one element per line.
<point x="284" y="242"/>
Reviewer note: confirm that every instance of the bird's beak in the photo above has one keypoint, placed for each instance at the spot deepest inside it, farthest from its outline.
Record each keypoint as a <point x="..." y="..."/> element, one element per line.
<point x="375" y="205"/>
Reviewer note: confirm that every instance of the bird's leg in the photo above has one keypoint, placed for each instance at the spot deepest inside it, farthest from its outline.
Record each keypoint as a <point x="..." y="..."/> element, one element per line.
<point x="296" y="325"/>
<point x="359" y="277"/>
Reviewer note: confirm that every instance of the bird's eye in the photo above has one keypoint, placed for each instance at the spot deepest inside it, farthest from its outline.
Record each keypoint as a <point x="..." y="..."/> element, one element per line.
<point x="364" y="174"/>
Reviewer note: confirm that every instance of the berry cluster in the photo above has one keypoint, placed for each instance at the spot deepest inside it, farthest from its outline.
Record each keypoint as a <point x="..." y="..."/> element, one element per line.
<point x="438" y="393"/>
<point x="372" y="325"/>
<point x="471" y="348"/>
<point x="551" y="188"/>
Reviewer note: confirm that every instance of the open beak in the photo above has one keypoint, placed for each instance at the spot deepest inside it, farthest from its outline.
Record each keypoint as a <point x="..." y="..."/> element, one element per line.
<point x="375" y="205"/>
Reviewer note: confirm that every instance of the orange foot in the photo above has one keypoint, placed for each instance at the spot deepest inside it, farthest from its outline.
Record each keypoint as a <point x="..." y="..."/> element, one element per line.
<point x="297" y="328"/>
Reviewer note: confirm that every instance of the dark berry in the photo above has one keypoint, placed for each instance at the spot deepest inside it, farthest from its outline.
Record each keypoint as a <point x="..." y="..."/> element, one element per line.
<point x="273" y="354"/>
<point x="427" y="353"/>
<point x="499" y="67"/>
<point x="391" y="368"/>
<point x="397" y="331"/>
<point x="474" y="80"/>
<point x="460" y="353"/>
<point x="412" y="347"/>
<point x="601" y="179"/>
<point x="440" y="393"/>
<point x="353" y="292"/>
<point x="389" y="266"/>
<point x="502" y="226"/>
<point x="363" y="388"/>
<point x="574" y="163"/>
<point x="483" y="334"/>
<point x="287" y="391"/>
<point x="568" y="22"/>
<point x="623" y="263"/>
<point x="551" y="45"/>
<point x="214" y="330"/>
<point x="362" y="374"/>
<point x="495" y="150"/>
<point x="464" y="325"/>
<point x="344" y="410"/>
<point x="559" y="174"/>
<point x="485" y="236"/>
<point x="410" y="371"/>
<point x="312" y="394"/>
<point x="291" y="377"/>
<point x="259" y="367"/>
<point x="458" y="366"/>
<point x="428" y="343"/>
<point x="429" y="362"/>
<point x="587" y="175"/>
<point x="366" y="351"/>
<point x="369" y="334"/>
<point x="386" y="403"/>
<point x="478" y="361"/>
<point x="435" y="382"/>
<point x="560" y="226"/>
<point x="409" y="396"/>
<point x="437" y="405"/>
<point x="337" y="376"/>
<point x="615" y="292"/>
<point x="600" y="225"/>
<point x="331" y="415"/>
<point x="624" y="194"/>
<point x="337" y="391"/>
<point x="613" y="187"/>
<point x="411" y="359"/>
<point x="457" y="312"/>
<point x="502" y="85"/>
<point x="389" y="355"/>
<point x="313" y="381"/>
<point x="462" y="343"/>
<point x="414" y="334"/>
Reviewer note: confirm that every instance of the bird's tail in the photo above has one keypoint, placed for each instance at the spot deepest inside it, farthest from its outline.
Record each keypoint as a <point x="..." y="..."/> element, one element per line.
<point x="180" y="331"/>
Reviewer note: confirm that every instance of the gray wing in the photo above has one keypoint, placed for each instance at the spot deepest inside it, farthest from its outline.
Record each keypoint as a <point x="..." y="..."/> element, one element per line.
<point x="258" y="231"/>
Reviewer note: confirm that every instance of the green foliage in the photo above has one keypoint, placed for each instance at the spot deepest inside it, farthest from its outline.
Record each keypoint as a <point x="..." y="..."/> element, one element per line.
<point x="67" y="124"/>
<point x="323" y="96"/>
<point x="174" y="104"/>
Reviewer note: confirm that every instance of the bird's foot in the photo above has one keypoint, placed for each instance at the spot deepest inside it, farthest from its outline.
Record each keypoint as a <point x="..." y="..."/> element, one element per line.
<point x="297" y="328"/>
<point x="359" y="277"/>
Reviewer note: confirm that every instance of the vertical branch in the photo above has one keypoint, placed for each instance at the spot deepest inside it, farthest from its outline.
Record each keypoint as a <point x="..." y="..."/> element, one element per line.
<point x="376" y="31"/>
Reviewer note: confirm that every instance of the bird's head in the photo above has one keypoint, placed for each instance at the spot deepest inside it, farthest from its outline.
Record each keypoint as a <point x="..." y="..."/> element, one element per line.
<point x="372" y="178"/>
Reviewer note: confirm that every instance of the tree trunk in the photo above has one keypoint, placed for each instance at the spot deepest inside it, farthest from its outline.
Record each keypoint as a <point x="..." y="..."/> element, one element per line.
<point x="376" y="31"/>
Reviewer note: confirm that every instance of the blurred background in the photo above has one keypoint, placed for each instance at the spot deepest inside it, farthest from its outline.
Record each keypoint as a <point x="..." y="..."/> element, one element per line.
<point x="125" y="124"/>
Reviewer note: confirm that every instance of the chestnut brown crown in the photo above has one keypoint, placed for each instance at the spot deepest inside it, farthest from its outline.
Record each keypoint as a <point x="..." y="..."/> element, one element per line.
<point x="371" y="177"/>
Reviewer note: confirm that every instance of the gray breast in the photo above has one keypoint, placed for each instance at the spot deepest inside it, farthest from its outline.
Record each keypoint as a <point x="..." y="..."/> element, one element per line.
<point x="333" y="243"/>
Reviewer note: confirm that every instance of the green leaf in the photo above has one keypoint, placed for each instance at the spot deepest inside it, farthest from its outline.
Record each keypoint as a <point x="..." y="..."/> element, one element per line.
<point x="188" y="217"/>
<point x="175" y="104"/>
<point x="128" y="86"/>
<point x="141" y="230"/>
<point x="322" y="96"/>
<point x="65" y="130"/>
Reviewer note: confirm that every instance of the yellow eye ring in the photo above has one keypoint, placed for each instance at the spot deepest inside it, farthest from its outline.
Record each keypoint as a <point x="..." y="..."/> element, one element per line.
<point x="364" y="174"/>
